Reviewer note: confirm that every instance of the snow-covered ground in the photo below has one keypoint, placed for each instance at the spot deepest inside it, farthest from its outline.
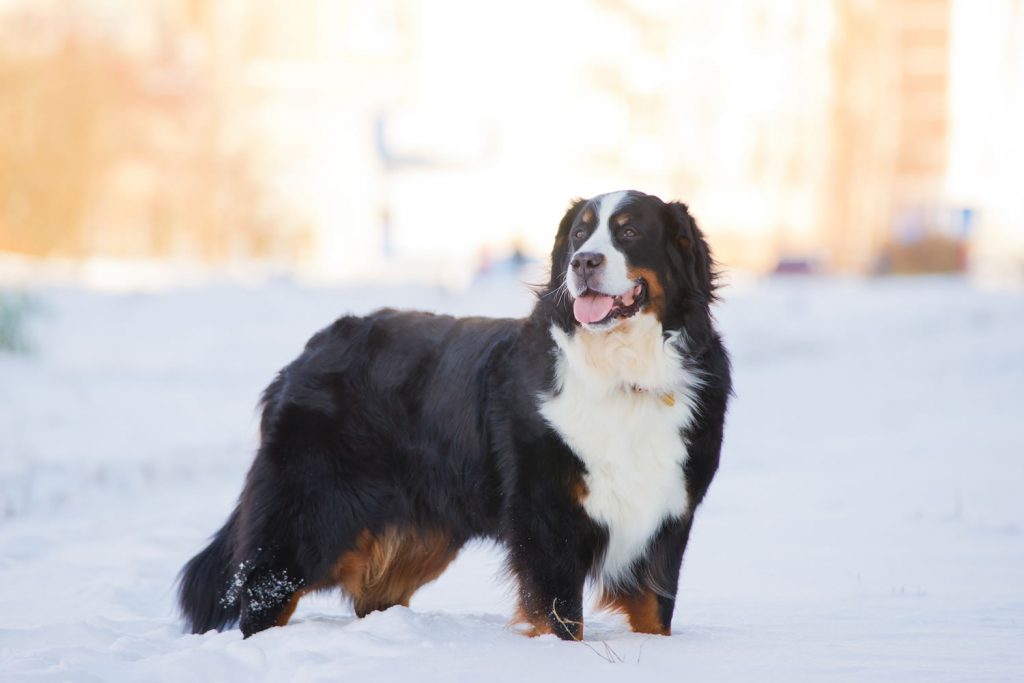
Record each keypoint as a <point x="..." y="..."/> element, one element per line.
<point x="867" y="522"/>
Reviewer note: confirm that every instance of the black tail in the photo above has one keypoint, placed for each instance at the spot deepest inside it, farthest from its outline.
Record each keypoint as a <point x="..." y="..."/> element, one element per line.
<point x="206" y="594"/>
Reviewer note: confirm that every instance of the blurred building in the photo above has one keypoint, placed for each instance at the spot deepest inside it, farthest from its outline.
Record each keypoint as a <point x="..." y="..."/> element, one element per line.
<point x="343" y="137"/>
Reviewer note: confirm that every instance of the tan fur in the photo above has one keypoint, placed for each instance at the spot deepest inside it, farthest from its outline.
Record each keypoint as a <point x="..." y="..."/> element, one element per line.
<point x="289" y="610"/>
<point x="580" y="491"/>
<point x="655" y="290"/>
<point x="641" y="609"/>
<point x="386" y="569"/>
<point x="536" y="626"/>
<point x="631" y="354"/>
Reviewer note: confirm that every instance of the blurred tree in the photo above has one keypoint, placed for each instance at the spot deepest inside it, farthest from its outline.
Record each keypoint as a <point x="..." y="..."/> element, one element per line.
<point x="55" y="143"/>
<point x="123" y="142"/>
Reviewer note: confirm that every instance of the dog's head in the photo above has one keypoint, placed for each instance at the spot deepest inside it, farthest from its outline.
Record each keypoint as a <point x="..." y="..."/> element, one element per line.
<point x="621" y="254"/>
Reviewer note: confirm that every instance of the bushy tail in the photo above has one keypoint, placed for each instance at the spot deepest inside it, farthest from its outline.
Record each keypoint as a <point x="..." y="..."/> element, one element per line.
<point x="206" y="595"/>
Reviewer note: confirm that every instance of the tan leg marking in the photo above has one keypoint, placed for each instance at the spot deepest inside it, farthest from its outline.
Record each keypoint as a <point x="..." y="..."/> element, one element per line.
<point x="536" y="626"/>
<point x="641" y="609"/>
<point x="386" y="569"/>
<point x="289" y="610"/>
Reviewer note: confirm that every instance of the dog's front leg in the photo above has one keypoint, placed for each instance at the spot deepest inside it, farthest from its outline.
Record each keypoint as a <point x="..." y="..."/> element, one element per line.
<point x="551" y="562"/>
<point x="551" y="602"/>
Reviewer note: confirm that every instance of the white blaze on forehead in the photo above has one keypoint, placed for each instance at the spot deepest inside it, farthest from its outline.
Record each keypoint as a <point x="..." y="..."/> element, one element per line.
<point x="615" y="277"/>
<point x="607" y="204"/>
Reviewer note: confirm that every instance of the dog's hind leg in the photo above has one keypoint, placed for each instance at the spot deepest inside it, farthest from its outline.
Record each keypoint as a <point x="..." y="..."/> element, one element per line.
<point x="289" y="537"/>
<point x="270" y="582"/>
<point x="306" y="499"/>
<point x="276" y="560"/>
<point x="268" y="597"/>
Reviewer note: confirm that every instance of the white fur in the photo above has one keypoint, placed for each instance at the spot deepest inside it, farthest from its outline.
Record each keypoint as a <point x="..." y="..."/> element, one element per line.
<point x="629" y="439"/>
<point x="615" y="276"/>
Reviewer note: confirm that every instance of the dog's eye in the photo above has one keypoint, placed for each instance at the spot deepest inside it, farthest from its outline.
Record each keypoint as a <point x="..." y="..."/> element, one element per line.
<point x="580" y="234"/>
<point x="627" y="233"/>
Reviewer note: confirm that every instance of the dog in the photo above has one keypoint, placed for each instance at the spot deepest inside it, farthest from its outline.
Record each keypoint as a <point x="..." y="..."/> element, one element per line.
<point x="582" y="438"/>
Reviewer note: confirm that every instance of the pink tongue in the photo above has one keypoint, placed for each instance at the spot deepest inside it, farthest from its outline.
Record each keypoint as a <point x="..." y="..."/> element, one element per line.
<point x="591" y="308"/>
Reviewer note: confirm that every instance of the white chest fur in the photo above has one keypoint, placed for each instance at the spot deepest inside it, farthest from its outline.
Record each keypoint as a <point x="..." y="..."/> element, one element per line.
<point x="624" y="399"/>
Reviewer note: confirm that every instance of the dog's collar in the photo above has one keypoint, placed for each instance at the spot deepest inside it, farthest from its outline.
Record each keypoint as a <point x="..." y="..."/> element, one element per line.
<point x="666" y="397"/>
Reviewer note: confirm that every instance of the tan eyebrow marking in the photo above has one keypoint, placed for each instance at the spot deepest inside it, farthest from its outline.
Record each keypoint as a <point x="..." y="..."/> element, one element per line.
<point x="622" y="219"/>
<point x="588" y="215"/>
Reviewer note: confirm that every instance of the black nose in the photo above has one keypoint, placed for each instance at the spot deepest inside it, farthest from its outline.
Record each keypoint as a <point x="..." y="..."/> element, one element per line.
<point x="585" y="263"/>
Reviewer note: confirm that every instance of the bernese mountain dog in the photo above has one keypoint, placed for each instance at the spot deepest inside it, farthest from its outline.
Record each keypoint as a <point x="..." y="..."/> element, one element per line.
<point x="581" y="438"/>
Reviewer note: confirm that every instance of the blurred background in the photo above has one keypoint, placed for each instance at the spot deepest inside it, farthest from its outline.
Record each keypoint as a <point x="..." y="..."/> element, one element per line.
<point x="364" y="139"/>
<point x="190" y="188"/>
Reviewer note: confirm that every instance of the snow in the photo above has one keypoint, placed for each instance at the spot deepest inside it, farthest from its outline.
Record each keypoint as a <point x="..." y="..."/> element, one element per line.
<point x="867" y="522"/>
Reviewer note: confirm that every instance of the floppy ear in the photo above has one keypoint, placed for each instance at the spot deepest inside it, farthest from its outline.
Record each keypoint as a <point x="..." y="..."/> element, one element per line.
<point x="698" y="265"/>
<point x="559" y="253"/>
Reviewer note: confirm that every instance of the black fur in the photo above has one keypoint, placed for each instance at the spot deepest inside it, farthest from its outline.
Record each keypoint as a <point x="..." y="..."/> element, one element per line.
<point x="420" y="421"/>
